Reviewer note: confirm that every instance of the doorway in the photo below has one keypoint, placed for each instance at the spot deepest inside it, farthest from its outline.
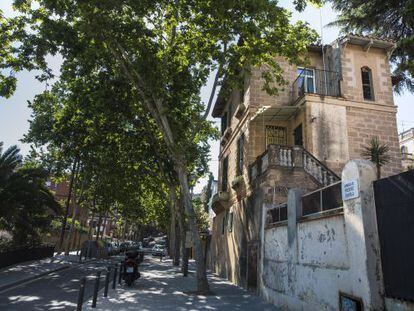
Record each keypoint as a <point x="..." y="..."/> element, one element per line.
<point x="298" y="136"/>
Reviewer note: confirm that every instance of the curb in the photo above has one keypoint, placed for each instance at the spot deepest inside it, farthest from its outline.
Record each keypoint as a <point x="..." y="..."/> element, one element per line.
<point x="34" y="277"/>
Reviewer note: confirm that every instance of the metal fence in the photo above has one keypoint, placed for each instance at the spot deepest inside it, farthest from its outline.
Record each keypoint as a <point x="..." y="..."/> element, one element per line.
<point x="277" y="214"/>
<point x="316" y="81"/>
<point x="394" y="201"/>
<point x="323" y="199"/>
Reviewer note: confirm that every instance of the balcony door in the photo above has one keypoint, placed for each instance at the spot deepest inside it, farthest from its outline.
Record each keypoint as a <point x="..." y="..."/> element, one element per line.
<point x="297" y="135"/>
<point x="306" y="81"/>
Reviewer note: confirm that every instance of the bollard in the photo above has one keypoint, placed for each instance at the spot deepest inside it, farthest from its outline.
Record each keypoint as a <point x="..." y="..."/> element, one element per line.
<point x="81" y="294"/>
<point x="120" y="274"/>
<point x="108" y="274"/>
<point x="96" y="289"/>
<point x="114" y="280"/>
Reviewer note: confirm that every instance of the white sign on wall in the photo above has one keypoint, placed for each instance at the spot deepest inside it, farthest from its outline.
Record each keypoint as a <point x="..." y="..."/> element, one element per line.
<point x="350" y="190"/>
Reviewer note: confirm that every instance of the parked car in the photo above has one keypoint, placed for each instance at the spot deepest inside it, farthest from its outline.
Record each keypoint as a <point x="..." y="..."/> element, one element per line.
<point x="158" y="250"/>
<point x="124" y="246"/>
<point x="115" y="248"/>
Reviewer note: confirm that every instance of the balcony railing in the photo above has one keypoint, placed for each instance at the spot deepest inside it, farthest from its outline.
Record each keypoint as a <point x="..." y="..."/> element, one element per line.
<point x="316" y="81"/>
<point x="296" y="156"/>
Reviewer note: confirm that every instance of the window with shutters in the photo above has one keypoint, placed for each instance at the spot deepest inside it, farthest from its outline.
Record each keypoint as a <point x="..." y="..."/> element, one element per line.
<point x="224" y="174"/>
<point x="223" y="123"/>
<point x="240" y="155"/>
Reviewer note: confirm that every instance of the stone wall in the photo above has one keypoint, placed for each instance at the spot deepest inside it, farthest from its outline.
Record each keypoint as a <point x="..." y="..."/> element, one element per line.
<point x="363" y="124"/>
<point x="309" y="261"/>
<point x="353" y="59"/>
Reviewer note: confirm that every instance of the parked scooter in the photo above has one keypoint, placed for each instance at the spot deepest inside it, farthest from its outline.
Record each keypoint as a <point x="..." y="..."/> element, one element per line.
<point x="129" y="268"/>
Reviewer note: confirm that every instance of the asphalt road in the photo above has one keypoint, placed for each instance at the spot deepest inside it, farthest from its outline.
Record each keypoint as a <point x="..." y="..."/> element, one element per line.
<point x="57" y="291"/>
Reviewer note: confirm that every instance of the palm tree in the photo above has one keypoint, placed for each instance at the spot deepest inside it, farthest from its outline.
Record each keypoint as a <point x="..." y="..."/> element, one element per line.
<point x="377" y="154"/>
<point x="9" y="160"/>
<point x="26" y="205"/>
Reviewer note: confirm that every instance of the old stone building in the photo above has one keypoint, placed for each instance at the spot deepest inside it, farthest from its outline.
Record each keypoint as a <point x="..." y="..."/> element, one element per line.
<point x="300" y="138"/>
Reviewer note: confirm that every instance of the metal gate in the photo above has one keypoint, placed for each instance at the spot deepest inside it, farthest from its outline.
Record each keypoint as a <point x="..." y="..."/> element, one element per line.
<point x="394" y="200"/>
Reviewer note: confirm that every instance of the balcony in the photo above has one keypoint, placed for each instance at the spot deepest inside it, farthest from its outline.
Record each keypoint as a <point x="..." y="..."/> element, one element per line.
<point x="219" y="201"/>
<point x="290" y="157"/>
<point x="316" y="81"/>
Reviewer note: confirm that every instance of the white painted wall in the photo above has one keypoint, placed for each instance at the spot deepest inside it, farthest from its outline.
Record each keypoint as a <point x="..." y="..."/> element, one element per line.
<point x="308" y="262"/>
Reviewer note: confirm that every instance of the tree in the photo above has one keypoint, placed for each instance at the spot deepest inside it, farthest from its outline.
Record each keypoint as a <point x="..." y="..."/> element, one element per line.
<point x="26" y="206"/>
<point x="165" y="51"/>
<point x="385" y="19"/>
<point x="377" y="154"/>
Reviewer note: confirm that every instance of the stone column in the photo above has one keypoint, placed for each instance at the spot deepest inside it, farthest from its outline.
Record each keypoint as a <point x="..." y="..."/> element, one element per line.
<point x="297" y="155"/>
<point x="362" y="233"/>
<point x="294" y="211"/>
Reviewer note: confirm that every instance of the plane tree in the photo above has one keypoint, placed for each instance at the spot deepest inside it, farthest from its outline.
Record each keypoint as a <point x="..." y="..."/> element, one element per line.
<point x="165" y="50"/>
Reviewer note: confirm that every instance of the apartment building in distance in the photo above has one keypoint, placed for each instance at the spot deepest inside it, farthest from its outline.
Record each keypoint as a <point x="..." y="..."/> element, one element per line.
<point x="300" y="138"/>
<point x="407" y="148"/>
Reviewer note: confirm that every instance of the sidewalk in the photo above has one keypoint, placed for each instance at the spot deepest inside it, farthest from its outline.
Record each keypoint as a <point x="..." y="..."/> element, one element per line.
<point x="27" y="271"/>
<point x="162" y="287"/>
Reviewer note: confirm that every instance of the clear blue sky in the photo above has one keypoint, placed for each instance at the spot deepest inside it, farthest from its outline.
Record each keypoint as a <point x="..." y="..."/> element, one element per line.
<point x="14" y="112"/>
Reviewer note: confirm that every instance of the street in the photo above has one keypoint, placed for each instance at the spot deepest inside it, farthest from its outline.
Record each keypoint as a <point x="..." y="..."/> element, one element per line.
<point x="56" y="291"/>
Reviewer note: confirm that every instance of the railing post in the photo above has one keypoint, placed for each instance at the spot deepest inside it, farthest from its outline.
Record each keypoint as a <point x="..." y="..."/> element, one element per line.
<point x="81" y="294"/>
<point x="96" y="289"/>
<point x="115" y="273"/>
<point x="108" y="274"/>
<point x="297" y="156"/>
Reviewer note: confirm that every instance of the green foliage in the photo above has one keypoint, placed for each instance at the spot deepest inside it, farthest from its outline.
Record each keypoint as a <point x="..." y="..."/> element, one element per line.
<point x="201" y="215"/>
<point x="26" y="205"/>
<point x="386" y="19"/>
<point x="56" y="225"/>
<point x="377" y="153"/>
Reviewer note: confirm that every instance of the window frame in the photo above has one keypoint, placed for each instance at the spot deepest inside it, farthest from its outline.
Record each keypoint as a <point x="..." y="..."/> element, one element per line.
<point x="225" y="174"/>
<point x="367" y="70"/>
<point x="240" y="155"/>
<point x="302" y="73"/>
<point x="224" y="123"/>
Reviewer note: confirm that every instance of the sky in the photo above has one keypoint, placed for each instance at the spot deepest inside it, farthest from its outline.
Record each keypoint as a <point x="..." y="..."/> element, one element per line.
<point x="15" y="114"/>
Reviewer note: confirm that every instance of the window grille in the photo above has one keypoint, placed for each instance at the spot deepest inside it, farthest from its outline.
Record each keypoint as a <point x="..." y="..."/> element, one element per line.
<point x="276" y="135"/>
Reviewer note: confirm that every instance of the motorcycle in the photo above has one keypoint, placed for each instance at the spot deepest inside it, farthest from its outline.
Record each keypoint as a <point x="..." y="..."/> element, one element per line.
<point x="129" y="268"/>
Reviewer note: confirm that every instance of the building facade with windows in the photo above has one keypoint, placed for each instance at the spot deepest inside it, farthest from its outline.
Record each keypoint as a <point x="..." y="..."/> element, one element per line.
<point x="407" y="148"/>
<point x="300" y="138"/>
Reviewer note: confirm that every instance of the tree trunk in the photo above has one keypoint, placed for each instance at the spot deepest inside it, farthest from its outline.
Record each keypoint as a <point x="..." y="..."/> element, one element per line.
<point x="104" y="225"/>
<point x="184" y="257"/>
<point x="174" y="230"/>
<point x="65" y="217"/>
<point x="172" y="236"/>
<point x="177" y="240"/>
<point x="90" y="233"/>
<point x="378" y="171"/>
<point x="72" y="226"/>
<point x="202" y="281"/>
<point x="125" y="231"/>
<point x="98" y="227"/>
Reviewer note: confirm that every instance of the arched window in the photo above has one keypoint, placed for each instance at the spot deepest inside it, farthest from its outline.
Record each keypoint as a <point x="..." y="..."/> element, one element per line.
<point x="367" y="87"/>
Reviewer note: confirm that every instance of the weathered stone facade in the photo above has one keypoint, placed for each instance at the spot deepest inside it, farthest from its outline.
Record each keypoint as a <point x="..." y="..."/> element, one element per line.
<point x="332" y="127"/>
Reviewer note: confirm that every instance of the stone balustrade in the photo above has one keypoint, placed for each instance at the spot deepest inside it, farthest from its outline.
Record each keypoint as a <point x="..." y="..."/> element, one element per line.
<point x="296" y="156"/>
